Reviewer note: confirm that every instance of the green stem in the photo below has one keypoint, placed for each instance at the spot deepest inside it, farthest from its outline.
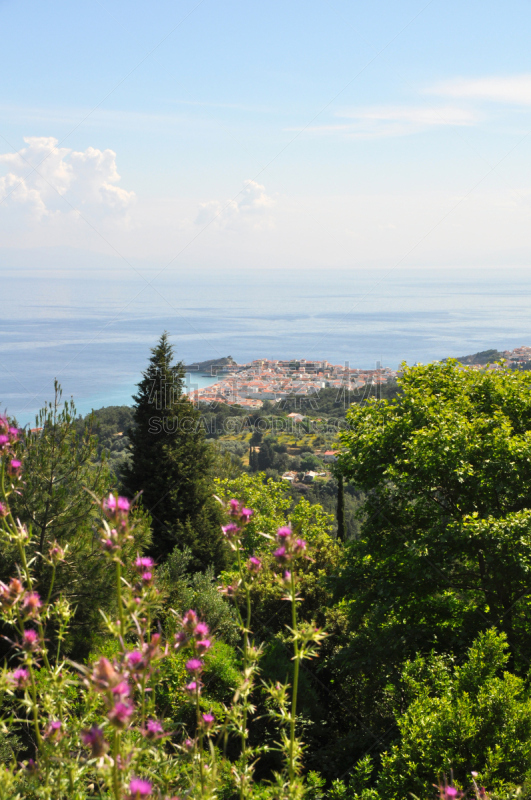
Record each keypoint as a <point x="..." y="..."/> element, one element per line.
<point x="243" y="732"/>
<point x="295" y="681"/>
<point x="115" y="754"/>
<point x="119" y="591"/>
<point x="200" y="732"/>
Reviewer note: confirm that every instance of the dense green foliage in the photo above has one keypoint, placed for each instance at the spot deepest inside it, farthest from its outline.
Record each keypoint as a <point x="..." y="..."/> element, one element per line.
<point x="171" y="464"/>
<point x="426" y="599"/>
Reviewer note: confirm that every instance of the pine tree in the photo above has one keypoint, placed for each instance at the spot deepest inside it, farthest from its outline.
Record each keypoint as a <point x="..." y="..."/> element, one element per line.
<point x="172" y="464"/>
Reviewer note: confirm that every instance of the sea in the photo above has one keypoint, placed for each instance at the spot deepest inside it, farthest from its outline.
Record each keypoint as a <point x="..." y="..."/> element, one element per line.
<point x="93" y="330"/>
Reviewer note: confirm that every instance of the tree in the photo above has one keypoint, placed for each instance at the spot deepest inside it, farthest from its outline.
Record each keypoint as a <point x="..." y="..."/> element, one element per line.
<point x="471" y="718"/>
<point x="445" y="549"/>
<point x="171" y="464"/>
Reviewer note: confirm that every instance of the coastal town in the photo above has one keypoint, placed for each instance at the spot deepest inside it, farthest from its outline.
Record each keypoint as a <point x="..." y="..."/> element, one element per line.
<point x="250" y="385"/>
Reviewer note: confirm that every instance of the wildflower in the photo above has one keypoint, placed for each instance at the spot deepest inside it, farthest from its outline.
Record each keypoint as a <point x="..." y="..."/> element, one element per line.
<point x="30" y="640"/>
<point x="116" y="507"/>
<point x="254" y="564"/>
<point x="121" y="690"/>
<point x="284" y="533"/>
<point x="154" y="729"/>
<point x="104" y="676"/>
<point x="193" y="688"/>
<point x="134" y="660"/>
<point x="234" y="508"/>
<point x="230" y="531"/>
<point x="56" y="553"/>
<point x="93" y="738"/>
<point x="299" y="547"/>
<point x="9" y="595"/>
<point x="139" y="789"/>
<point x="14" y="466"/>
<point x="282" y="555"/>
<point x="231" y="590"/>
<point x="181" y="639"/>
<point x="194" y="665"/>
<point x="203" y="646"/>
<point x="20" y="678"/>
<point x="53" y="731"/>
<point x="31" y="603"/>
<point x="189" y="744"/>
<point x="201" y="630"/>
<point x="120" y="714"/>
<point x="286" y="578"/>
<point x="4" y="440"/>
<point x="13" y="434"/>
<point x="189" y="621"/>
<point x="207" y="720"/>
<point x="246" y="514"/>
<point x="144" y="563"/>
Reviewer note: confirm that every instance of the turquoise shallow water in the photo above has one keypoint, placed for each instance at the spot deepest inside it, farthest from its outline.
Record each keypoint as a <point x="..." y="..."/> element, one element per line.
<point x="93" y="330"/>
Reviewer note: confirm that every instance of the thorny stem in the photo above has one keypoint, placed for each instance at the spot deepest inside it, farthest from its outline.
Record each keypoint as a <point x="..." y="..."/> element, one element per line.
<point x="246" y="629"/>
<point x="115" y="754"/>
<point x="200" y="739"/>
<point x="296" y="659"/>
<point x="119" y="591"/>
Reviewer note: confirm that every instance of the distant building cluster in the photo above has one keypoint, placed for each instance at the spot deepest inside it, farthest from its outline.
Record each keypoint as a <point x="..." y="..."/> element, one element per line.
<point x="250" y="384"/>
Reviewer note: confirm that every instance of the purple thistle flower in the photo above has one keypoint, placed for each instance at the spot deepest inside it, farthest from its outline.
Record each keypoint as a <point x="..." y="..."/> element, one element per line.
<point x="134" y="659"/>
<point x="208" y="720"/>
<point x="31" y="603"/>
<point x="230" y="531"/>
<point x="284" y="533"/>
<point x="123" y="504"/>
<point x="299" y="547"/>
<point x="121" y="690"/>
<point x="246" y="514"/>
<point x="192" y="688"/>
<point x="56" y="553"/>
<point x="53" y="730"/>
<point x="120" y="714"/>
<point x="281" y="555"/>
<point x="20" y="678"/>
<point x="30" y="640"/>
<point x="203" y="645"/>
<point x="201" y="630"/>
<point x="154" y="729"/>
<point x="4" y="440"/>
<point x="139" y="789"/>
<point x="13" y="434"/>
<point x="147" y="577"/>
<point x="194" y="665"/>
<point x="190" y="620"/>
<point x="234" y="507"/>
<point x="14" y="466"/>
<point x="181" y="639"/>
<point x="144" y="563"/>
<point x="94" y="739"/>
<point x="254" y="564"/>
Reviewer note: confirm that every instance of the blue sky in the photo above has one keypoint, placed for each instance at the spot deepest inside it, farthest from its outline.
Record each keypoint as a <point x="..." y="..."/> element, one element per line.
<point x="243" y="134"/>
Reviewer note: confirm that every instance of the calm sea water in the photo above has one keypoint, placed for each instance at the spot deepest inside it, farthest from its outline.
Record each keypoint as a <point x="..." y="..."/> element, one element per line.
<point x="93" y="331"/>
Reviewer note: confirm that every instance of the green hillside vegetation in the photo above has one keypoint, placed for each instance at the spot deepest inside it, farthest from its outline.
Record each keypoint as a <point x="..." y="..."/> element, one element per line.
<point x="423" y="676"/>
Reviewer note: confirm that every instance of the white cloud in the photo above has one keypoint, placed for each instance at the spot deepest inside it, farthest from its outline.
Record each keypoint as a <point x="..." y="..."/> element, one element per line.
<point x="384" y="121"/>
<point x="47" y="182"/>
<point x="250" y="209"/>
<point x="515" y="89"/>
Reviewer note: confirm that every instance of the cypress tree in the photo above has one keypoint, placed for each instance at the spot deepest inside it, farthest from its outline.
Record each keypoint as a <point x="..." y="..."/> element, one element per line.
<point x="172" y="463"/>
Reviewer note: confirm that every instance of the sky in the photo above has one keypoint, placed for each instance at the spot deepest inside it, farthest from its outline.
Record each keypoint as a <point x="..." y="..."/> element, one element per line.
<point x="222" y="134"/>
